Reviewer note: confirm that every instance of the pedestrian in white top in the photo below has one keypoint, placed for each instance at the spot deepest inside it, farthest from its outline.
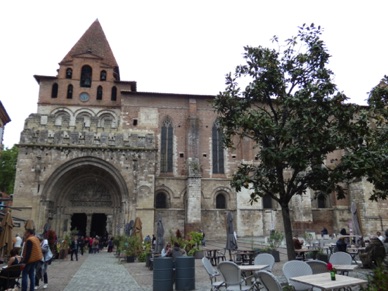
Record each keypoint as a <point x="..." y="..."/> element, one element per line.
<point x="18" y="243"/>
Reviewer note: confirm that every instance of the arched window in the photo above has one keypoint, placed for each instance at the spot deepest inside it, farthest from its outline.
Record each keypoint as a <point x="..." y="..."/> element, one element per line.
<point x="114" y="94"/>
<point x="166" y="147"/>
<point x="86" y="76"/>
<point x="321" y="200"/>
<point x="69" y="92"/>
<point x="267" y="202"/>
<point x="161" y="200"/>
<point x="69" y="73"/>
<point x="217" y="149"/>
<point x="99" y="93"/>
<point x="103" y="75"/>
<point x="220" y="201"/>
<point x="54" y="90"/>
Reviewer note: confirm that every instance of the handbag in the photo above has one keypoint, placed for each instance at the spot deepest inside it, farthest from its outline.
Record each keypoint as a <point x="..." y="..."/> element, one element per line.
<point x="49" y="255"/>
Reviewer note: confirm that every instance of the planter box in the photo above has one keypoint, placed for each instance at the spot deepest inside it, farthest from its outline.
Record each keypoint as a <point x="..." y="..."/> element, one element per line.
<point x="198" y="255"/>
<point x="276" y="255"/>
<point x="130" y="259"/>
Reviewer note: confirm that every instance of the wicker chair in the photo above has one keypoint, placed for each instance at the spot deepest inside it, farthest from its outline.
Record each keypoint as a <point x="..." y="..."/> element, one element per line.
<point x="318" y="266"/>
<point x="269" y="281"/>
<point x="296" y="268"/>
<point x="213" y="274"/>
<point x="232" y="275"/>
<point x="341" y="258"/>
<point x="265" y="259"/>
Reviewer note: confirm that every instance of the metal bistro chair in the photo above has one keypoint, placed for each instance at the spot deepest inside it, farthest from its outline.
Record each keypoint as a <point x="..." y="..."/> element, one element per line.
<point x="318" y="266"/>
<point x="341" y="258"/>
<point x="297" y="268"/>
<point x="213" y="274"/>
<point x="233" y="279"/>
<point x="269" y="281"/>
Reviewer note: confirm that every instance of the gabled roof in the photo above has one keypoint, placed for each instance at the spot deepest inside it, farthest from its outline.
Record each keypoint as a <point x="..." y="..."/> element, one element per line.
<point x="94" y="43"/>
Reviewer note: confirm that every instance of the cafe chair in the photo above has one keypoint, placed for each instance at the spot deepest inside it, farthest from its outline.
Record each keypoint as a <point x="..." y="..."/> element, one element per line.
<point x="213" y="274"/>
<point x="265" y="259"/>
<point x="297" y="268"/>
<point x="341" y="258"/>
<point x="318" y="266"/>
<point x="12" y="275"/>
<point x="233" y="278"/>
<point x="269" y="281"/>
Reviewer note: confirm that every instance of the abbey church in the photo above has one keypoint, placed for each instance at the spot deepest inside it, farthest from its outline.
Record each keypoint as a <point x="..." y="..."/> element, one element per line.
<point x="98" y="153"/>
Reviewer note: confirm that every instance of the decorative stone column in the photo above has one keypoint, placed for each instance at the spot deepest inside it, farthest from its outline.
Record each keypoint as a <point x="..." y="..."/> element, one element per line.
<point x="88" y="223"/>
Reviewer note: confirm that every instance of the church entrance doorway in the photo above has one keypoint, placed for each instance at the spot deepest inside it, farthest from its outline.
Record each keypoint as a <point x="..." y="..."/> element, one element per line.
<point x="78" y="221"/>
<point x="98" y="226"/>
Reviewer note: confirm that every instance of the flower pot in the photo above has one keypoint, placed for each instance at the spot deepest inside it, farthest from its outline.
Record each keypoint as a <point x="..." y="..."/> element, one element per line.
<point x="276" y="255"/>
<point x="130" y="259"/>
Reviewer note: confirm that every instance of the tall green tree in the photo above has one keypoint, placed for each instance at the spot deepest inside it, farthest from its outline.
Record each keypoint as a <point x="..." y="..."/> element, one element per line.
<point x="294" y="114"/>
<point x="8" y="159"/>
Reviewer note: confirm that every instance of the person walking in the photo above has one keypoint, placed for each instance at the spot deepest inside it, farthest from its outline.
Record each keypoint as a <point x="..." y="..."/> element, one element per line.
<point x="41" y="269"/>
<point x="74" y="248"/>
<point x="18" y="243"/>
<point x="81" y="242"/>
<point x="32" y="253"/>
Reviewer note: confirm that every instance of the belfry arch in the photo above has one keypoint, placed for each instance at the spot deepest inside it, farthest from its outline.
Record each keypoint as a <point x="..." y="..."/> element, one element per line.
<point x="86" y="186"/>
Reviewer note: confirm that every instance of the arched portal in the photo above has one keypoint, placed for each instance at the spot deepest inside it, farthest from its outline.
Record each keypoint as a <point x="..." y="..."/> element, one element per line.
<point x="88" y="194"/>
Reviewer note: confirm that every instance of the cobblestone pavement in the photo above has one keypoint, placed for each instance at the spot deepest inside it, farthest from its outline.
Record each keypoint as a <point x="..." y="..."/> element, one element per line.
<point x="103" y="271"/>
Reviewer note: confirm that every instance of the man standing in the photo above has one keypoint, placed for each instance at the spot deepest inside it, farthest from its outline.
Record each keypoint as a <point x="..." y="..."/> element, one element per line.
<point x="31" y="255"/>
<point x="74" y="248"/>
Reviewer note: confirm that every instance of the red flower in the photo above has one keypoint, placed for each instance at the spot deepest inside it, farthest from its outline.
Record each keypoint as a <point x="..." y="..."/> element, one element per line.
<point x="330" y="266"/>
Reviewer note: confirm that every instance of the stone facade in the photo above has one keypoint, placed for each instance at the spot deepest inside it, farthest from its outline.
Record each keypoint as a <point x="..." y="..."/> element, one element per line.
<point x="94" y="161"/>
<point x="4" y="119"/>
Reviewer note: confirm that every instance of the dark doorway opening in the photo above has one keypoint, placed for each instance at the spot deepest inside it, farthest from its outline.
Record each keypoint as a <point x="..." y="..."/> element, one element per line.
<point x="78" y="221"/>
<point x="98" y="226"/>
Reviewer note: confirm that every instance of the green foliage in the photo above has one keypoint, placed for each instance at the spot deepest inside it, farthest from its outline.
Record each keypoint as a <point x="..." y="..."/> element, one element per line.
<point x="8" y="159"/>
<point x="275" y="239"/>
<point x="192" y="245"/>
<point x="293" y="113"/>
<point x="378" y="280"/>
<point x="131" y="245"/>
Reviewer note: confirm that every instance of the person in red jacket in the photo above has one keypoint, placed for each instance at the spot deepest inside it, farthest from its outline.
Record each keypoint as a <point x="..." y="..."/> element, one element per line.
<point x="32" y="254"/>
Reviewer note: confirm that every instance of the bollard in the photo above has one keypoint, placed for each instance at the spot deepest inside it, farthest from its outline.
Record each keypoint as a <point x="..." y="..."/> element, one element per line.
<point x="184" y="273"/>
<point x="163" y="274"/>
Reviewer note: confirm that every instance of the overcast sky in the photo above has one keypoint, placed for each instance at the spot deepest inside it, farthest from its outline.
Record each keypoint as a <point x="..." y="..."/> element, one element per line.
<point x="182" y="46"/>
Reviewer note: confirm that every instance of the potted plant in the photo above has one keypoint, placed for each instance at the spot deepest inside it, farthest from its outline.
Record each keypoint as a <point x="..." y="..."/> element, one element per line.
<point x="146" y="254"/>
<point x="132" y="247"/>
<point x="193" y="244"/>
<point x="274" y="240"/>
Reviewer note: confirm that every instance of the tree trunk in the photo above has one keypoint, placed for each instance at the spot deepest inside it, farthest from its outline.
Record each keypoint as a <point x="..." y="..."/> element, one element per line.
<point x="288" y="232"/>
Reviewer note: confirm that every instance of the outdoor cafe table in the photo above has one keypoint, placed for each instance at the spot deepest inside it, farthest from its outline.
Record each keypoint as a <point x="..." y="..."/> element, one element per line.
<point x="344" y="268"/>
<point x="324" y="282"/>
<point x="247" y="256"/>
<point x="353" y="252"/>
<point x="211" y="254"/>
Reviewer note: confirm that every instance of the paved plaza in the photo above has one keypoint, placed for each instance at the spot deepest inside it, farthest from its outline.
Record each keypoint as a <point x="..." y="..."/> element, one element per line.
<point x="103" y="271"/>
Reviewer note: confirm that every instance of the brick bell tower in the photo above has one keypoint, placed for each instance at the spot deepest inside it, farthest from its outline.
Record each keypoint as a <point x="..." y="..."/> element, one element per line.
<point x="78" y="160"/>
